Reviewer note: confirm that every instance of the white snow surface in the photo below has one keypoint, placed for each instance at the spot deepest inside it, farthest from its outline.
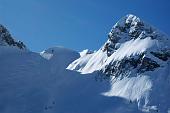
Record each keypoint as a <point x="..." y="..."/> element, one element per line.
<point x="31" y="83"/>
<point x="45" y="82"/>
<point x="89" y="63"/>
<point x="99" y="59"/>
<point x="130" y="88"/>
<point x="146" y="88"/>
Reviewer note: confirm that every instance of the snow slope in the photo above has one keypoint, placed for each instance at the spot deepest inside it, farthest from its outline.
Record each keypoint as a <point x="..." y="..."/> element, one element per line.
<point x="135" y="57"/>
<point x="31" y="83"/>
<point x="128" y="74"/>
<point x="122" y="44"/>
<point x="89" y="63"/>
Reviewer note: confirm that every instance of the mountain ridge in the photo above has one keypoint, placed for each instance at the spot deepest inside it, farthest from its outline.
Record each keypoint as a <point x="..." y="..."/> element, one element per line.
<point x="128" y="74"/>
<point x="135" y="58"/>
<point x="7" y="40"/>
<point x="130" y="36"/>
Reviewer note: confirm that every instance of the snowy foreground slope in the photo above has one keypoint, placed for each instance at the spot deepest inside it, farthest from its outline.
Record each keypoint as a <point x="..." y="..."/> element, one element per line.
<point x="130" y="73"/>
<point x="31" y="83"/>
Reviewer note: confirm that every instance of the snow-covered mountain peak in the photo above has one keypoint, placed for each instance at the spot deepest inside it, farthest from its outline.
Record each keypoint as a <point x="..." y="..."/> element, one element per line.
<point x="136" y="60"/>
<point x="128" y="74"/>
<point x="128" y="19"/>
<point x="130" y="42"/>
<point x="7" y="40"/>
<point x="129" y="28"/>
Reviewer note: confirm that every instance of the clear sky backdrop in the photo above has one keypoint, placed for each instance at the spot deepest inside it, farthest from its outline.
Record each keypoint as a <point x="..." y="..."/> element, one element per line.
<point x="76" y="24"/>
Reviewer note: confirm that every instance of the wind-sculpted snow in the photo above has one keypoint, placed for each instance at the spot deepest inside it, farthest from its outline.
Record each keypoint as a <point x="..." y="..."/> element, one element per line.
<point x="133" y="58"/>
<point x="32" y="84"/>
<point x="128" y="74"/>
<point x="89" y="63"/>
<point x="130" y="88"/>
<point x="129" y="38"/>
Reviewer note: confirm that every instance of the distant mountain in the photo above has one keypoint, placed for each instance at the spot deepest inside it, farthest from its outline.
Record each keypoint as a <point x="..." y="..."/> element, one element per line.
<point x="7" y="40"/>
<point x="130" y="73"/>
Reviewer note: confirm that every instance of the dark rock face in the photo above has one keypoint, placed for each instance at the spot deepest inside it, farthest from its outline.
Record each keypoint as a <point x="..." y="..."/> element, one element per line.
<point x="147" y="64"/>
<point x="163" y="55"/>
<point x="7" y="39"/>
<point x="131" y="27"/>
<point x="140" y="64"/>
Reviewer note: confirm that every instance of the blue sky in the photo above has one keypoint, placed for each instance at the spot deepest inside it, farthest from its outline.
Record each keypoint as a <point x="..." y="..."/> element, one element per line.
<point x="76" y="24"/>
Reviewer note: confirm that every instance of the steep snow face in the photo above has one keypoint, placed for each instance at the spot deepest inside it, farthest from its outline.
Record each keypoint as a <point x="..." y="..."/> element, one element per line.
<point x="131" y="40"/>
<point x="128" y="74"/>
<point x="7" y="40"/>
<point x="132" y="89"/>
<point x="134" y="57"/>
<point x="89" y="63"/>
<point x="134" y="44"/>
<point x="133" y="47"/>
